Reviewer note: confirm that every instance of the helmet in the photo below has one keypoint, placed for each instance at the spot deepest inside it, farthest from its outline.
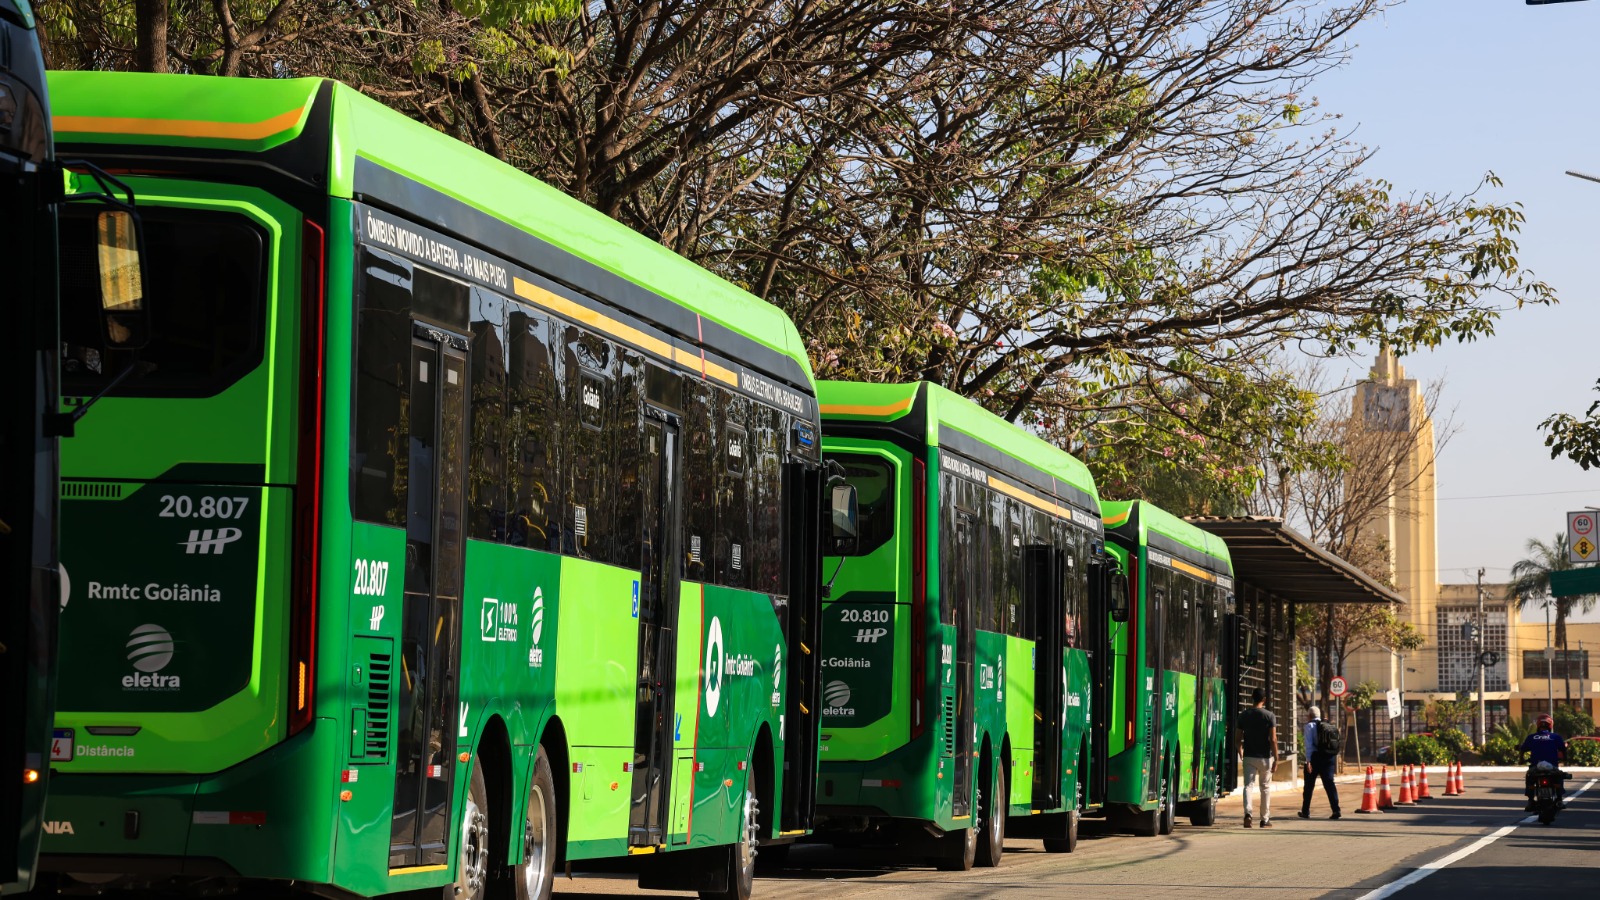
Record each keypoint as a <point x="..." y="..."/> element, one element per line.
<point x="1546" y="723"/>
<point x="1545" y="766"/>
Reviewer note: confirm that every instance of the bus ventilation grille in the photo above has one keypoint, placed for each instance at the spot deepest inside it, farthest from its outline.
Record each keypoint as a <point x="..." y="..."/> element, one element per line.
<point x="90" y="490"/>
<point x="380" y="677"/>
<point x="949" y="719"/>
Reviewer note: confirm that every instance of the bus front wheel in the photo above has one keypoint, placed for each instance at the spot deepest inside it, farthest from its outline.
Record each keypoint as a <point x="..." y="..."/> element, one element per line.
<point x="991" y="841"/>
<point x="535" y="875"/>
<point x="1067" y="840"/>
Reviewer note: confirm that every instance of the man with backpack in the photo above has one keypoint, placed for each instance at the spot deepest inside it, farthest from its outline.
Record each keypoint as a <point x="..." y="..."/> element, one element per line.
<point x="1323" y="743"/>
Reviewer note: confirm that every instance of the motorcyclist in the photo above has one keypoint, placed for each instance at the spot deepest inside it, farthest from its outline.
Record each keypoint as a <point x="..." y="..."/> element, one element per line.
<point x="1544" y="746"/>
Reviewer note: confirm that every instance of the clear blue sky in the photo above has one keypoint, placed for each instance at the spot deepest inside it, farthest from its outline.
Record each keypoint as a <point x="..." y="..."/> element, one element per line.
<point x="1446" y="90"/>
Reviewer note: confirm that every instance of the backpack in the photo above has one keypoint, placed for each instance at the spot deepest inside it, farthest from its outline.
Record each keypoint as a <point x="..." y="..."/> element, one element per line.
<point x="1329" y="740"/>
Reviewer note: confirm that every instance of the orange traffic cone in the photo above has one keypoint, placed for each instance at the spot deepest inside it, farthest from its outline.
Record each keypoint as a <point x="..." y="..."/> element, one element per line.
<point x="1405" y="798"/>
<point x="1422" y="784"/>
<point x="1369" y="795"/>
<point x="1385" y="799"/>
<point x="1461" y="786"/>
<point x="1450" y="789"/>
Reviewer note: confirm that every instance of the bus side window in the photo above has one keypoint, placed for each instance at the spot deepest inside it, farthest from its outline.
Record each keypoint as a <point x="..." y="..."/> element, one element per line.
<point x="627" y="438"/>
<point x="587" y="528"/>
<point x="733" y="494"/>
<point x="535" y="433"/>
<point x="699" y="477"/>
<point x="382" y="390"/>
<point x="486" y="467"/>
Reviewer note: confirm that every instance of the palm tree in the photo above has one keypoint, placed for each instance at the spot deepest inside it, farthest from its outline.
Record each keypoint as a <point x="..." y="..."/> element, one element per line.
<point x="1530" y="580"/>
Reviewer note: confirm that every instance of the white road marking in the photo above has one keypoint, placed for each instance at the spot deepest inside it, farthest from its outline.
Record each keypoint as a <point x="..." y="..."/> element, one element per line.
<point x="1400" y="884"/>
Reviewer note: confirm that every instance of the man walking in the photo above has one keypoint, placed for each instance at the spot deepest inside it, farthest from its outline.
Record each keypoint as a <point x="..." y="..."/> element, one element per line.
<point x="1323" y="743"/>
<point x="1258" y="747"/>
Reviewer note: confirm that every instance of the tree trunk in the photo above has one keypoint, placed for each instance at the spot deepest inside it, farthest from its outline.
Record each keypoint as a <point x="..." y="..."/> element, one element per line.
<point x="150" y="53"/>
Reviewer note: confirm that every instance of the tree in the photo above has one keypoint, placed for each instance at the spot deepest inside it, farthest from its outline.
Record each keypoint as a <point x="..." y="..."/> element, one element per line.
<point x="1577" y="439"/>
<point x="1530" y="580"/>
<point x="1097" y="218"/>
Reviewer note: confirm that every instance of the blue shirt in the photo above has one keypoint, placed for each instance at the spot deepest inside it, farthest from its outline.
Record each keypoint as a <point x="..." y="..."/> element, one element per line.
<point x="1544" y="746"/>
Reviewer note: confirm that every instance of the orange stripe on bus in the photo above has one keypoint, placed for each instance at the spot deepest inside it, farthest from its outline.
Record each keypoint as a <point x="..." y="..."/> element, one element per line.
<point x="189" y="128"/>
<point x="844" y="409"/>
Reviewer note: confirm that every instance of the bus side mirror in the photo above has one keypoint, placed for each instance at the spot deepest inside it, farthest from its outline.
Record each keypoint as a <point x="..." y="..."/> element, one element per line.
<point x="844" y="518"/>
<point x="123" y="313"/>
<point x="1117" y="597"/>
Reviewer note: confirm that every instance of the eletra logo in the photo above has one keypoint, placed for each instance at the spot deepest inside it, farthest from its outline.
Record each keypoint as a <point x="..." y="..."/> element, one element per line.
<point x="150" y="648"/>
<point x="837" y="693"/>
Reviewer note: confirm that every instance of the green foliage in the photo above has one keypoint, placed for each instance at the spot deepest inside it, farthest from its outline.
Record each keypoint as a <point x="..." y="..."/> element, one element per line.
<point x="1501" y="747"/>
<point x="1571" y="721"/>
<point x="1454" y="740"/>
<point x="1446" y="714"/>
<point x="1576" y="439"/>
<point x="1583" y="753"/>
<point x="1501" y="750"/>
<point x="1420" y="749"/>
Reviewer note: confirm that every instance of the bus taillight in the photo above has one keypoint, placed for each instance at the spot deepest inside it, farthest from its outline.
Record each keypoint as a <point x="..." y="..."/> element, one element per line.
<point x="308" y="493"/>
<point x="1134" y="643"/>
<point x="919" y="595"/>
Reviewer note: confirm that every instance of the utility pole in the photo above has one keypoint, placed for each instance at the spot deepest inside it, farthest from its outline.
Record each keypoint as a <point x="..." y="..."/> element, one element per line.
<point x="1483" y="631"/>
<point x="1549" y="658"/>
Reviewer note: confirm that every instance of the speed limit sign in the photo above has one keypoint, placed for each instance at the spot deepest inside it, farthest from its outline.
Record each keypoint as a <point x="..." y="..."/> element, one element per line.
<point x="1337" y="687"/>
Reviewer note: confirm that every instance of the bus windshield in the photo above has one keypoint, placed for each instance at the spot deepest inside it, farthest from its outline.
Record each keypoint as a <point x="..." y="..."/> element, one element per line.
<point x="873" y="478"/>
<point x="206" y="268"/>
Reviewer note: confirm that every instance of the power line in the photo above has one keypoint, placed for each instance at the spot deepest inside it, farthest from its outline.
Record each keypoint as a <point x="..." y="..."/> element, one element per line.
<point x="1530" y="494"/>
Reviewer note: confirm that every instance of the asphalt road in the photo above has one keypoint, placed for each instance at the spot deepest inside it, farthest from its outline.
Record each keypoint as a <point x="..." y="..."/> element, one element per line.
<point x="1359" y="856"/>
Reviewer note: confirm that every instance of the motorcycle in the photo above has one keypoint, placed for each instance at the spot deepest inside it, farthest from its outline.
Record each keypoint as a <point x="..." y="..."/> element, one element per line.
<point x="1547" y="791"/>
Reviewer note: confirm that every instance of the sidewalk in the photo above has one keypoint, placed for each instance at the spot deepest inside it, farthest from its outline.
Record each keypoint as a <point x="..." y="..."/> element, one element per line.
<point x="1358" y="774"/>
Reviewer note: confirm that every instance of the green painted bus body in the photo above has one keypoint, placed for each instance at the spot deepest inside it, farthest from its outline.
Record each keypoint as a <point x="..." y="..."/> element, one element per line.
<point x="1169" y="735"/>
<point x="878" y="762"/>
<point x="180" y="512"/>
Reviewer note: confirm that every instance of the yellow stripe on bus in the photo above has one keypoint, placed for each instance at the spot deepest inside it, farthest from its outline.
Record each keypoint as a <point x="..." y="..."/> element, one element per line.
<point x="1041" y="503"/>
<point x="622" y="331"/>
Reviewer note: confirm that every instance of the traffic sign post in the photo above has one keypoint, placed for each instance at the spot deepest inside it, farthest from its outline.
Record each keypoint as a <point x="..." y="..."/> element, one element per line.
<point x="1581" y="537"/>
<point x="1337" y="686"/>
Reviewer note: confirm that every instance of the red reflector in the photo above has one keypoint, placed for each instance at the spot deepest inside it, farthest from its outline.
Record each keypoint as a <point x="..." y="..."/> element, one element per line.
<point x="577" y="767"/>
<point x="247" y="818"/>
<point x="741" y="765"/>
<point x="699" y="767"/>
<point x="229" y="817"/>
<point x="888" y="783"/>
<point x="627" y="767"/>
<point x="350" y="776"/>
<point x="436" y="771"/>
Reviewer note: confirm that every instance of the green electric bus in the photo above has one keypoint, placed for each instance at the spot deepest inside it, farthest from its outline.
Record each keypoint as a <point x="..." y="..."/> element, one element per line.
<point x="34" y="187"/>
<point x="449" y="533"/>
<point x="1167" y="719"/>
<point x="959" y="642"/>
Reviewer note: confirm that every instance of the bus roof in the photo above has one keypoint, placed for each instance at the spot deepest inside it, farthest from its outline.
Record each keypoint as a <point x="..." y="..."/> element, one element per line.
<point x="256" y="115"/>
<point x="936" y="416"/>
<point x="1145" y="524"/>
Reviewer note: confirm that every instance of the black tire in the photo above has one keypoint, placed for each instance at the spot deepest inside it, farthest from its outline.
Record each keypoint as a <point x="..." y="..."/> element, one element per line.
<point x="1068" y="841"/>
<point x="473" y="864"/>
<point x="773" y="857"/>
<point x="740" y="858"/>
<point x="1205" y="812"/>
<point x="534" y="877"/>
<point x="992" y="834"/>
<point x="1169" y="806"/>
<point x="1547" y="814"/>
<point x="957" y="851"/>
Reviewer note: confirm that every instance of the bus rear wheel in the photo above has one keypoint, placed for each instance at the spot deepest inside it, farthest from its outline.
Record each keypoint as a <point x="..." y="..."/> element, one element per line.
<point x="535" y="875"/>
<point x="1204" y="812"/>
<point x="991" y="843"/>
<point x="741" y="857"/>
<point x="1169" y="805"/>
<point x="1068" y="839"/>
<point x="956" y="851"/>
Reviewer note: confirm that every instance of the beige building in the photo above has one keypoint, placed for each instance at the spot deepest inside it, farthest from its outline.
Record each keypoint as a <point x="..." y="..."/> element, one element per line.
<point x="1444" y="614"/>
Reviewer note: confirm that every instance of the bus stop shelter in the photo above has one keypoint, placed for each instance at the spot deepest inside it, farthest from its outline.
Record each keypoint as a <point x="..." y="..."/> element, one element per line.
<point x="1275" y="568"/>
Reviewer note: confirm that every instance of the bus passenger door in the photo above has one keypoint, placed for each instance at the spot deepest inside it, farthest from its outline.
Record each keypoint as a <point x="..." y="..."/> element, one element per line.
<point x="658" y="620"/>
<point x="431" y="617"/>
<point x="1042" y="570"/>
<point x="962" y="719"/>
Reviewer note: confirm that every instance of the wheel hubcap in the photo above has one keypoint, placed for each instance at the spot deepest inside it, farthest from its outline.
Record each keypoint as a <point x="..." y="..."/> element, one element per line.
<point x="536" y="856"/>
<point x="474" y="850"/>
<point x="752" y="834"/>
